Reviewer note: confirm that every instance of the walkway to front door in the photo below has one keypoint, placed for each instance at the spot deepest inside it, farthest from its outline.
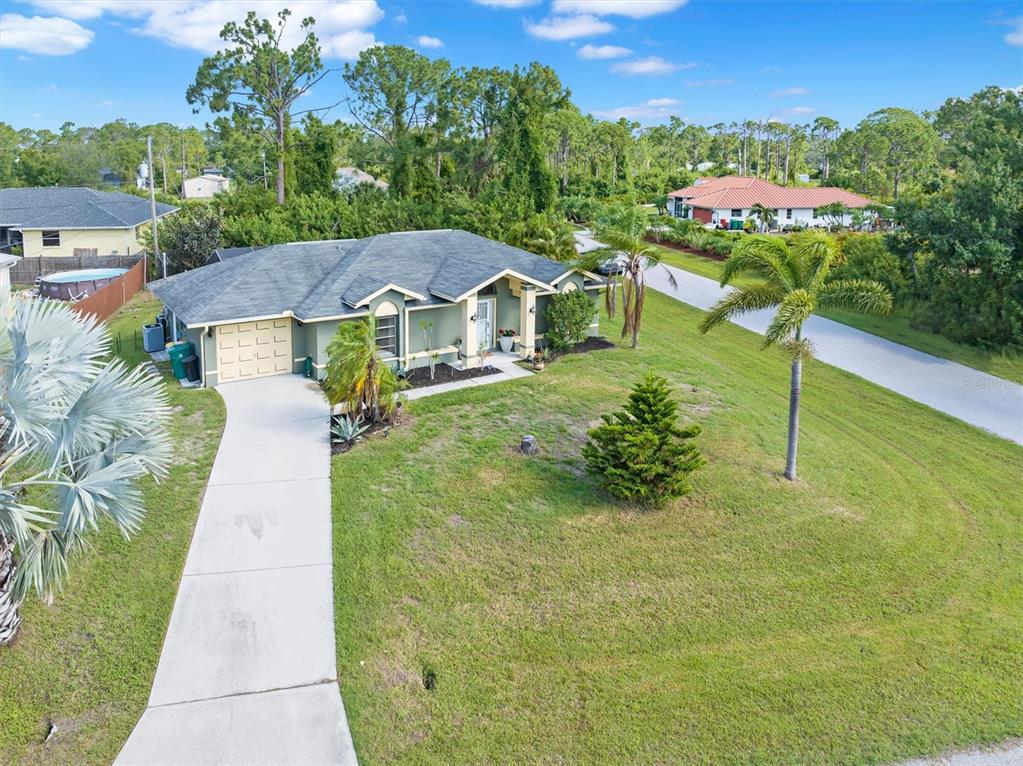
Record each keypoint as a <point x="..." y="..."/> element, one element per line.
<point x="248" y="671"/>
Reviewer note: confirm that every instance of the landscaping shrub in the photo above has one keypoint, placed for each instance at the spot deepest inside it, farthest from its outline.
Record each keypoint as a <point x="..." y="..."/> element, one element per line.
<point x="357" y="378"/>
<point x="569" y="316"/>
<point x="867" y="257"/>
<point x="641" y="452"/>
<point x="699" y="239"/>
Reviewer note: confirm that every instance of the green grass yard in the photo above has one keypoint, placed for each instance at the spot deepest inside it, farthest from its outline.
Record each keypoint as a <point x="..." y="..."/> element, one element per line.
<point x="86" y="663"/>
<point x="869" y="612"/>
<point x="894" y="327"/>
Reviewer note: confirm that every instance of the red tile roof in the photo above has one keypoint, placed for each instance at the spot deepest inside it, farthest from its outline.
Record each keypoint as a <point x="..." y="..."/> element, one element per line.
<point x="744" y="192"/>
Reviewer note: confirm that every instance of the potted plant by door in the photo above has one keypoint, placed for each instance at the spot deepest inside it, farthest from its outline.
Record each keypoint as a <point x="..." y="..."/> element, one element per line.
<point x="506" y="339"/>
<point x="539" y="357"/>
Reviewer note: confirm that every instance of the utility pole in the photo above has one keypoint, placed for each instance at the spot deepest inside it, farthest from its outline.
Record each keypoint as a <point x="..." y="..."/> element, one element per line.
<point x="152" y="203"/>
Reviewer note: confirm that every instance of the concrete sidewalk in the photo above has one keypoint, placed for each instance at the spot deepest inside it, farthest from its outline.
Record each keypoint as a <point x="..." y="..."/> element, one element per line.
<point x="983" y="400"/>
<point x="248" y="673"/>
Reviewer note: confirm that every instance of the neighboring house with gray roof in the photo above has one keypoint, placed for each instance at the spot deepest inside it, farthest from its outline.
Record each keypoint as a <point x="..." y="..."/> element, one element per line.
<point x="57" y="221"/>
<point x="263" y="312"/>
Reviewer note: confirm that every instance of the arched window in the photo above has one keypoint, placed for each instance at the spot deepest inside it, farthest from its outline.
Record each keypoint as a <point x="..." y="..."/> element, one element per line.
<point x="387" y="328"/>
<point x="490" y="289"/>
<point x="569" y="287"/>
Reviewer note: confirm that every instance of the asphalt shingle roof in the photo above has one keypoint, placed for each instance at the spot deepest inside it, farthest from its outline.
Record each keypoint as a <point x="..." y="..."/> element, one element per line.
<point x="74" y="207"/>
<point x="316" y="280"/>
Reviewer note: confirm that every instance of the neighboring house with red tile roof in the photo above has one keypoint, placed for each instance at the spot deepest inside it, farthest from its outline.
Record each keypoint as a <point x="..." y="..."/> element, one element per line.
<point x="717" y="200"/>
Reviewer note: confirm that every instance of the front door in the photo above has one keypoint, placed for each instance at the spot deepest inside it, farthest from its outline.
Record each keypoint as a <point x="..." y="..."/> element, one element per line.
<point x="485" y="322"/>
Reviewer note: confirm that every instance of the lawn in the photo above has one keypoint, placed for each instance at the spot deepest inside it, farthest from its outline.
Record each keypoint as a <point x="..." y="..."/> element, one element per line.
<point x="895" y="327"/>
<point x="869" y="612"/>
<point x="87" y="662"/>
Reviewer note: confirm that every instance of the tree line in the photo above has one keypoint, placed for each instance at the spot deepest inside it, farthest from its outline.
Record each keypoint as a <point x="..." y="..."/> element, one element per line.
<point x="505" y="153"/>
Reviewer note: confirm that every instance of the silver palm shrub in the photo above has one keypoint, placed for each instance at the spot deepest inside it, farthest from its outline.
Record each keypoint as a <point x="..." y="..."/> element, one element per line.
<point x="77" y="432"/>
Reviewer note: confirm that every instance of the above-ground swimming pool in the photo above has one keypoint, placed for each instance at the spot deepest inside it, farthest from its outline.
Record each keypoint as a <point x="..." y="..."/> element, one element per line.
<point x="74" y="285"/>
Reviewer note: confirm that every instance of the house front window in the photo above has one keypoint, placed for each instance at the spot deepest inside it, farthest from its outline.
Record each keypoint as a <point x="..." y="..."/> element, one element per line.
<point x="788" y="213"/>
<point x="51" y="239"/>
<point x="736" y="212"/>
<point x="387" y="335"/>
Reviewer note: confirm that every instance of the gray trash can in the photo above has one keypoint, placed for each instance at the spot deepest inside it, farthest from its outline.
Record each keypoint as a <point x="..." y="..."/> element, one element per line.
<point x="152" y="337"/>
<point x="191" y="365"/>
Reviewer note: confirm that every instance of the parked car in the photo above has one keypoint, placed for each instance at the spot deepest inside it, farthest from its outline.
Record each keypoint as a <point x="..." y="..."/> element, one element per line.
<point x="614" y="265"/>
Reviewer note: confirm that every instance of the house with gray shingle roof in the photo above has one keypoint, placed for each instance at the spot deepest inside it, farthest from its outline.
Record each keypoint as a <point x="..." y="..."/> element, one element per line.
<point x="57" y="221"/>
<point x="441" y="294"/>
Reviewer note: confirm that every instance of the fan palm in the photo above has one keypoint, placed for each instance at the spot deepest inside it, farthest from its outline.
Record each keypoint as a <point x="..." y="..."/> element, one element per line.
<point x="356" y="375"/>
<point x="795" y="283"/>
<point x="77" y="432"/>
<point x="624" y="232"/>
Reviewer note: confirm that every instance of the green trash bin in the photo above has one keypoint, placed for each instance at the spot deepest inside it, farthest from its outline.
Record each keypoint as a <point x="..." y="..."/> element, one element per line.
<point x="177" y="352"/>
<point x="735" y="224"/>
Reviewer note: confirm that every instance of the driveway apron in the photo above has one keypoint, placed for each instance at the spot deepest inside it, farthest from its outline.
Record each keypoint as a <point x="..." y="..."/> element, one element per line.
<point x="247" y="673"/>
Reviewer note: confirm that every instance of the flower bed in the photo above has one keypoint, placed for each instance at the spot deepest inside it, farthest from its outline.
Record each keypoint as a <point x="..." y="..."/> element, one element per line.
<point x="445" y="373"/>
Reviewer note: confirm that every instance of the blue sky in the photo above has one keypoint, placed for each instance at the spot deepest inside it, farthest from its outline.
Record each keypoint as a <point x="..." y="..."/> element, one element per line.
<point x="707" y="61"/>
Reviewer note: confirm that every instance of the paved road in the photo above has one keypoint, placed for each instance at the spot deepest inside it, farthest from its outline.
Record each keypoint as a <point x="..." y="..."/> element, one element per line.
<point x="248" y="673"/>
<point x="983" y="400"/>
<point x="1009" y="754"/>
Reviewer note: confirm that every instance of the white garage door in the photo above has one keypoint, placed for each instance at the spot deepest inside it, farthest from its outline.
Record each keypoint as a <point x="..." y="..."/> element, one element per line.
<point x="253" y="349"/>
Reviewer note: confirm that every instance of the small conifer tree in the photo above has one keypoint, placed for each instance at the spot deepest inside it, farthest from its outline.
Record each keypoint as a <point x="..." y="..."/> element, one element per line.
<point x="641" y="452"/>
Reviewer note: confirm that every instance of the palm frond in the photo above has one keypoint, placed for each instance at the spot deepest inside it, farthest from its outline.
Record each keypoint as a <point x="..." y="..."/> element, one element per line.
<point x="795" y="308"/>
<point x="741" y="300"/>
<point x="814" y="252"/>
<point x="760" y="256"/>
<point x="90" y="428"/>
<point x="864" y="295"/>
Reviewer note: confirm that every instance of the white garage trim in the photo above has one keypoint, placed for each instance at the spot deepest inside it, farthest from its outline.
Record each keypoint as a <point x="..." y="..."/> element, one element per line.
<point x="253" y="349"/>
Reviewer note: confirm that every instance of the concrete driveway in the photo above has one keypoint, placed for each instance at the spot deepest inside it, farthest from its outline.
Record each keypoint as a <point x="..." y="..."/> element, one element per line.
<point x="247" y="673"/>
<point x="983" y="400"/>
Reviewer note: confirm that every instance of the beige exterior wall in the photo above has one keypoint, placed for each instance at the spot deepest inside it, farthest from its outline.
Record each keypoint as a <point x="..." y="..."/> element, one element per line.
<point x="105" y="241"/>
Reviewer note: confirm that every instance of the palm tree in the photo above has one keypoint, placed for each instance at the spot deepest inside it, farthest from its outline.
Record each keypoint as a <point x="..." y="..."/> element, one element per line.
<point x="546" y="234"/>
<point x="623" y="230"/>
<point x="765" y="215"/>
<point x="795" y="275"/>
<point x="77" y="432"/>
<point x="356" y="375"/>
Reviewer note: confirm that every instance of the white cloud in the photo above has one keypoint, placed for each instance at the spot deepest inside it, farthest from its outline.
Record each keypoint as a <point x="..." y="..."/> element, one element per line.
<point x="634" y="9"/>
<point x="650" y="66"/>
<point x="602" y="52"/>
<point x="799" y="90"/>
<point x="709" y="83"/>
<point x="107" y="104"/>
<point x="652" y="110"/>
<point x="430" y="42"/>
<point x="342" y="26"/>
<point x="567" y="27"/>
<point x="401" y="18"/>
<point x="1015" y="37"/>
<point x="801" y="110"/>
<point x="770" y="69"/>
<point x="506" y="3"/>
<point x="88" y="9"/>
<point x="45" y="36"/>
